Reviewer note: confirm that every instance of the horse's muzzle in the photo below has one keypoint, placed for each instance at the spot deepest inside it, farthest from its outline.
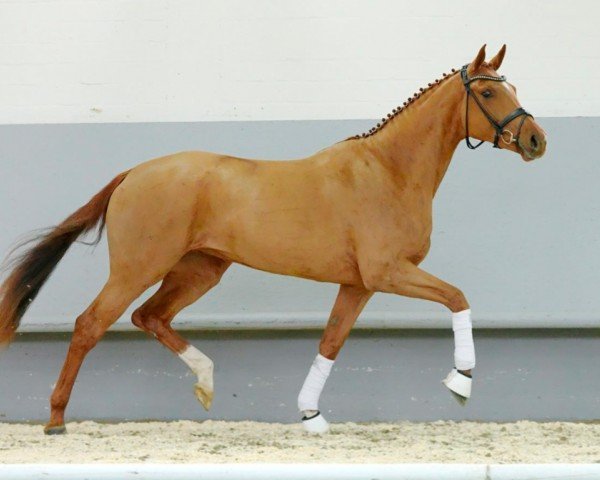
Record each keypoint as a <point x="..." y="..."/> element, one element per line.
<point x="532" y="141"/>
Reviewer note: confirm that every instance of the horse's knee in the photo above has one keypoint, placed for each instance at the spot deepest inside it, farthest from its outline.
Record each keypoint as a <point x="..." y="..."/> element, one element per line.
<point x="457" y="302"/>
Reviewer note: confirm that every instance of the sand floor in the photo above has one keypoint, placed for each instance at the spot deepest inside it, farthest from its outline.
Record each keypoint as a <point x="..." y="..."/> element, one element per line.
<point x="217" y="441"/>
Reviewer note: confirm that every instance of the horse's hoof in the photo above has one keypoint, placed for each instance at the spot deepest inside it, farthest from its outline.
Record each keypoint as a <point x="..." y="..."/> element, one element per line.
<point x="459" y="385"/>
<point x="315" y="424"/>
<point x="55" y="429"/>
<point x="204" y="396"/>
<point x="462" y="401"/>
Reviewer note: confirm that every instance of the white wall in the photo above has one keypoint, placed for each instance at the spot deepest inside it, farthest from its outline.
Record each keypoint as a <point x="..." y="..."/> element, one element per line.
<point x="67" y="61"/>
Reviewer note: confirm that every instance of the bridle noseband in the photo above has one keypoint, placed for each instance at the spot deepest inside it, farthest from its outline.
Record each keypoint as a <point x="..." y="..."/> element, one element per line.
<point x="498" y="126"/>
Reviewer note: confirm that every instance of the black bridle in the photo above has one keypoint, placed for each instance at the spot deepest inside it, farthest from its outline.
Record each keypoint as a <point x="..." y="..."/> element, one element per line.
<point x="498" y="126"/>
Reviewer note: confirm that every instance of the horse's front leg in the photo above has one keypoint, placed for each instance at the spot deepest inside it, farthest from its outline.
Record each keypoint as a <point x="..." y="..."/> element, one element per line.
<point x="410" y="281"/>
<point x="348" y="305"/>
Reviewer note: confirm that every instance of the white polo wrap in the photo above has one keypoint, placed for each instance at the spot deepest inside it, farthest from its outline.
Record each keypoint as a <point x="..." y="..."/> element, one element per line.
<point x="464" y="349"/>
<point x="308" y="399"/>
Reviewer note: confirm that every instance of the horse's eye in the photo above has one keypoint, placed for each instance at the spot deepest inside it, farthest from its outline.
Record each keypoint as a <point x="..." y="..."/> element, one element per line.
<point x="487" y="93"/>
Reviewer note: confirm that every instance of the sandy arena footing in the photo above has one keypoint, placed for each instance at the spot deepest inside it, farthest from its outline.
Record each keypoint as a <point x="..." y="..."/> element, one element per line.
<point x="243" y="442"/>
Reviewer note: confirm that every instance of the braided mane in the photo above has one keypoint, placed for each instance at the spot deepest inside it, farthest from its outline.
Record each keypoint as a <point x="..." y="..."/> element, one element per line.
<point x="400" y="108"/>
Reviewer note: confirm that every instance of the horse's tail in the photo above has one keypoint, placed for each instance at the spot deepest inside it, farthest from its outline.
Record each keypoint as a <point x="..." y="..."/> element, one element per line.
<point x="32" y="268"/>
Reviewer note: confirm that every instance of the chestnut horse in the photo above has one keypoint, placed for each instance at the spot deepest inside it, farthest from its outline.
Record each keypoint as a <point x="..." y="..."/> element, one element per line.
<point x="358" y="214"/>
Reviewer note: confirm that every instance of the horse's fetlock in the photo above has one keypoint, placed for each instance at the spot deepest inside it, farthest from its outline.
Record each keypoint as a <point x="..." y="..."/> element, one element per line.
<point x="58" y="401"/>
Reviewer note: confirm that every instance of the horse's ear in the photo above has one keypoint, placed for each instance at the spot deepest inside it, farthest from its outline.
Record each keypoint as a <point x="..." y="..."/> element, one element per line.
<point x="479" y="59"/>
<point x="497" y="60"/>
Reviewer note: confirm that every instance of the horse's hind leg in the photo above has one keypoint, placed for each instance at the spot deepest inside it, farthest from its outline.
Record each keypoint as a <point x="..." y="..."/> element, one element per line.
<point x="108" y="306"/>
<point x="192" y="277"/>
<point x="129" y="277"/>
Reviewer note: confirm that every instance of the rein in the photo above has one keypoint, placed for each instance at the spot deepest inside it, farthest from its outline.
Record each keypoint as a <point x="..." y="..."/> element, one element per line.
<point x="498" y="126"/>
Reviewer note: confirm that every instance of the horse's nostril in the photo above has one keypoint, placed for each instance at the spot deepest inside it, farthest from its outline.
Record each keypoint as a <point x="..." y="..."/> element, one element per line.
<point x="534" y="142"/>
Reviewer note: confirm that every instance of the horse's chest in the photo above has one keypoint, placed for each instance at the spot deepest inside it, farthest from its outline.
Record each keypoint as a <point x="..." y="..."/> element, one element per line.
<point x="406" y="234"/>
<point x="412" y="245"/>
<point x="410" y="218"/>
<point x="419" y="252"/>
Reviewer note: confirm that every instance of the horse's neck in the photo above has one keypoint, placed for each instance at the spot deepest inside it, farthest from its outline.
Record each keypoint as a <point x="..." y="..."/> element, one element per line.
<point x="418" y="144"/>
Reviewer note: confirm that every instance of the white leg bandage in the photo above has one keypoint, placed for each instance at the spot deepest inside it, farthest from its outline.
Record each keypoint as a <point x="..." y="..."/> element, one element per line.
<point x="314" y="383"/>
<point x="200" y="364"/>
<point x="464" y="349"/>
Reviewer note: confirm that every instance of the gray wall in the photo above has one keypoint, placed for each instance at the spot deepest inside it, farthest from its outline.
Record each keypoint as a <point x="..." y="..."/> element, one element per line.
<point x="380" y="375"/>
<point x="520" y="239"/>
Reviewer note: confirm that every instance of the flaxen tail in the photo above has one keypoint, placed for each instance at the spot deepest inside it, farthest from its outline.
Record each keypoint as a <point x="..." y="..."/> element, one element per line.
<point x="31" y="269"/>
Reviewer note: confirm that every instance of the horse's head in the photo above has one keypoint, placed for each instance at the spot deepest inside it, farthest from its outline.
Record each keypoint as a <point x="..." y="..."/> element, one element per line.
<point x="493" y="112"/>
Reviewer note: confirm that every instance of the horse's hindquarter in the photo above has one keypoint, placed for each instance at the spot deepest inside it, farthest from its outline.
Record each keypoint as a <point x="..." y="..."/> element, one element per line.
<point x="150" y="214"/>
<point x="290" y="217"/>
